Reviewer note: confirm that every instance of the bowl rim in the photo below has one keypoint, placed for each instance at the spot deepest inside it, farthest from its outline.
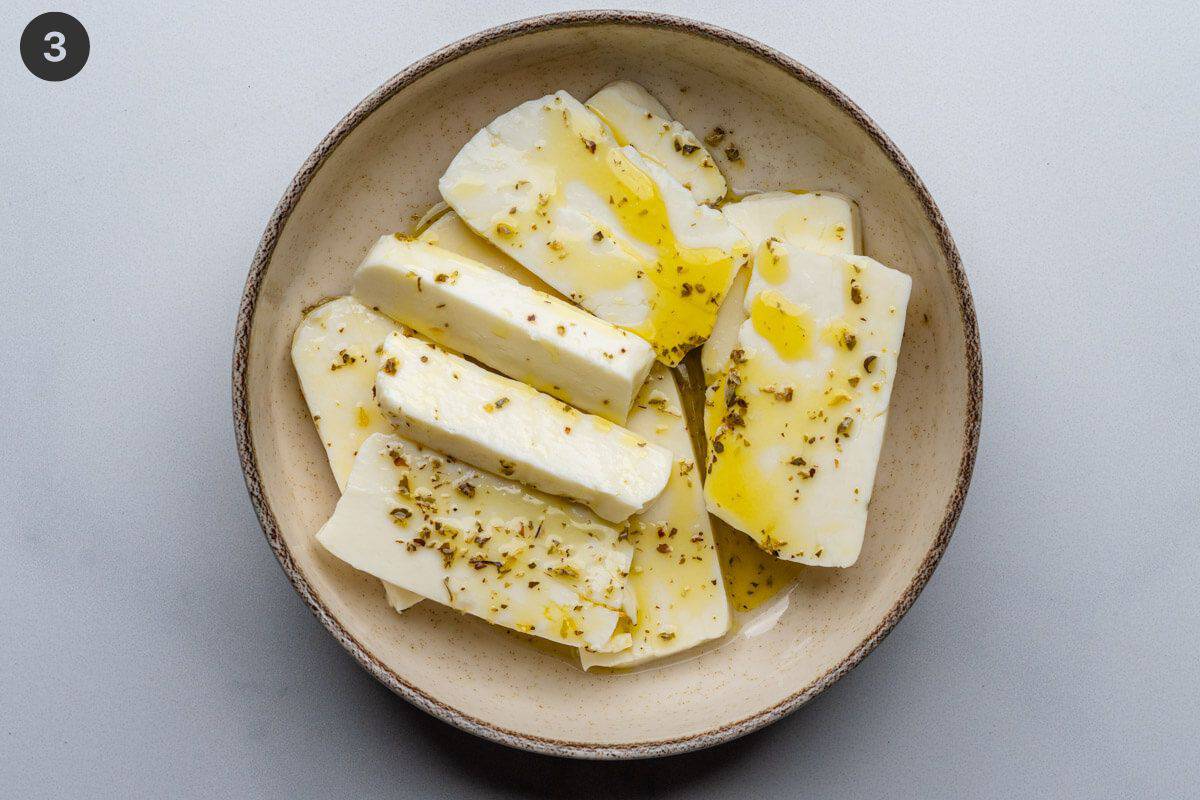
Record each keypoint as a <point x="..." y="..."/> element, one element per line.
<point x="266" y="517"/>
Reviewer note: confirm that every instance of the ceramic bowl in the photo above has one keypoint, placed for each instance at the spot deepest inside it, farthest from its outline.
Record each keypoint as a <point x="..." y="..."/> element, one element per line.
<point x="378" y="169"/>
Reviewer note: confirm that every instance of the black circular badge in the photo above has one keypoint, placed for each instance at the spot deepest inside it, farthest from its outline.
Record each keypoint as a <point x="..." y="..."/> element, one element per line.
<point x="55" y="46"/>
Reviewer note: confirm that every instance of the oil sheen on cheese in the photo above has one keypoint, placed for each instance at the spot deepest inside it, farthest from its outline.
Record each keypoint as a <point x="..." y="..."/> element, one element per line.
<point x="821" y="222"/>
<point x="336" y="353"/>
<point x="637" y="118"/>
<point x="547" y="184"/>
<point x="676" y="571"/>
<point x="484" y="545"/>
<point x="796" y="422"/>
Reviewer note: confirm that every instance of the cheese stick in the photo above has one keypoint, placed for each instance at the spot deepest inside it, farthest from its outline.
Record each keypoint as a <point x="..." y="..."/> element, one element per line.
<point x="532" y="337"/>
<point x="452" y="405"/>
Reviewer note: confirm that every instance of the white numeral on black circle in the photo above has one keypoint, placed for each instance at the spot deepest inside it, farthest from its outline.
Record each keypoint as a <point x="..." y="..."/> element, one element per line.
<point x="56" y="47"/>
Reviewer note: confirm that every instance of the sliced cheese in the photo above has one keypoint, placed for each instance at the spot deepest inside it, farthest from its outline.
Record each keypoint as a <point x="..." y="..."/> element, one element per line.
<point x="824" y="222"/>
<point x="335" y="351"/>
<point x="796" y="424"/>
<point x="547" y="184"/>
<point x="714" y="356"/>
<point x="449" y="232"/>
<point x="482" y="544"/>
<point x="452" y="405"/>
<point x="550" y="344"/>
<point x="636" y="118"/>
<point x="676" y="573"/>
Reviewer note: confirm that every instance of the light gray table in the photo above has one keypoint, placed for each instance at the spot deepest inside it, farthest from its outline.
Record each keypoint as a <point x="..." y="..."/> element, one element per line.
<point x="151" y="647"/>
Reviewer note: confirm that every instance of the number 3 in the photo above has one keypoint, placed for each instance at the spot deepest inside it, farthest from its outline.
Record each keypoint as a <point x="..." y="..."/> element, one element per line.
<point x="56" y="47"/>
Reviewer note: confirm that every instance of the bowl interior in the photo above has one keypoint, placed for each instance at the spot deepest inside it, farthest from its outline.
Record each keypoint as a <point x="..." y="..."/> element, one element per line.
<point x="791" y="134"/>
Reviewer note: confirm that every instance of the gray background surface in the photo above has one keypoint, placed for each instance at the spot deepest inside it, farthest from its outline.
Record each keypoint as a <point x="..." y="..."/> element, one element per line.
<point x="149" y="643"/>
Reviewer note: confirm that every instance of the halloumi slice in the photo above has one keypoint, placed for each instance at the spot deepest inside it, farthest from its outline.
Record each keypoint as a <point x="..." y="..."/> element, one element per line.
<point x="614" y="232"/>
<point x="449" y="232"/>
<point x="335" y="351"/>
<point x="681" y="600"/>
<point x="550" y="344"/>
<point x="637" y="118"/>
<point x="452" y="405"/>
<point x="823" y="222"/>
<point x="482" y="544"/>
<point x="796" y="424"/>
<point x="714" y="355"/>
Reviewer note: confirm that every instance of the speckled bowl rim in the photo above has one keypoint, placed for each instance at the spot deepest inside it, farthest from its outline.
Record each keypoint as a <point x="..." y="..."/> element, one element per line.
<point x="266" y="517"/>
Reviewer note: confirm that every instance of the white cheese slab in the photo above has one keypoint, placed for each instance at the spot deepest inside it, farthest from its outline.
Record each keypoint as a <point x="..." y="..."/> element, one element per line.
<point x="548" y="185"/>
<point x="823" y="222"/>
<point x="335" y="351"/>
<point x="676" y="572"/>
<point x="635" y="117"/>
<point x="482" y="544"/>
<point x="796" y="424"/>
<point x="492" y="422"/>
<point x="550" y="344"/>
<point x="714" y="356"/>
<point x="449" y="232"/>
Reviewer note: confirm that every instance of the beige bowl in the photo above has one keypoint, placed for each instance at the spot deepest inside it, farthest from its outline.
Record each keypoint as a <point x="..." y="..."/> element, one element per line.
<point x="379" y="167"/>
